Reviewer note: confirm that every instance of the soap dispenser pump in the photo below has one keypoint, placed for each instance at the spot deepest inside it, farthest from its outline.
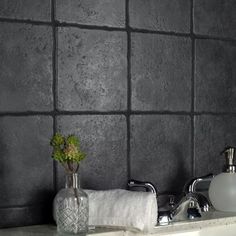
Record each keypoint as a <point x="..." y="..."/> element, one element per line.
<point x="222" y="190"/>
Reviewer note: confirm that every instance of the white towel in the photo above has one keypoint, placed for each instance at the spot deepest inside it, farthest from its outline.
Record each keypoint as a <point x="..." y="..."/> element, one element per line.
<point x="122" y="208"/>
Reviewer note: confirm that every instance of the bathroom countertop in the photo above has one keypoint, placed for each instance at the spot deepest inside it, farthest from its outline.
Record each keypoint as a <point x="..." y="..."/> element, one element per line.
<point x="208" y="220"/>
<point x="51" y="230"/>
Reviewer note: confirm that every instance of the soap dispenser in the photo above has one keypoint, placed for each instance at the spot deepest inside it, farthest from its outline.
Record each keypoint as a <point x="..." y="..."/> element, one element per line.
<point x="222" y="190"/>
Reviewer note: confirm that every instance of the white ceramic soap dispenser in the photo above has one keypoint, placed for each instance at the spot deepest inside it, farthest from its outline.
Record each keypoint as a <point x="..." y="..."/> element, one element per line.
<point x="222" y="190"/>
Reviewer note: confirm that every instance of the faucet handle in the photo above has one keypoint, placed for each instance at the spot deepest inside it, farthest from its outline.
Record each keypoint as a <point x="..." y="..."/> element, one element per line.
<point x="148" y="186"/>
<point x="190" y="187"/>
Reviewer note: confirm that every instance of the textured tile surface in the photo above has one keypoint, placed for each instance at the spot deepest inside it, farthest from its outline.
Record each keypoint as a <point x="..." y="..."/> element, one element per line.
<point x="26" y="9"/>
<point x="161" y="150"/>
<point x="215" y="70"/>
<point x="103" y="138"/>
<point x="92" y="70"/>
<point x="92" y="12"/>
<point x="212" y="135"/>
<point x="163" y="15"/>
<point x="215" y="17"/>
<point x="160" y="79"/>
<point x="25" y="164"/>
<point x="30" y="215"/>
<point x="25" y="67"/>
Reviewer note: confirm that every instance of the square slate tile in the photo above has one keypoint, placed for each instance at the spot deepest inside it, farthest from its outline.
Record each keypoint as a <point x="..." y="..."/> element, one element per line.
<point x="163" y="15"/>
<point x="212" y="135"/>
<point x="103" y="138"/>
<point x="215" y="70"/>
<point x="25" y="67"/>
<point x="25" y="165"/>
<point x="161" y="150"/>
<point x="26" y="9"/>
<point x="215" y="18"/>
<point x="92" y="12"/>
<point x="24" y="216"/>
<point x="92" y="70"/>
<point x="161" y="72"/>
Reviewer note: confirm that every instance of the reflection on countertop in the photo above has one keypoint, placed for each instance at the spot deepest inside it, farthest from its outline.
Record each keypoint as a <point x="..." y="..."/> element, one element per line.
<point x="208" y="222"/>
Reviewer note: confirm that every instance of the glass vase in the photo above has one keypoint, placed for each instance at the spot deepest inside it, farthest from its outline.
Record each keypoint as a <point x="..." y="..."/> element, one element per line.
<point x="70" y="208"/>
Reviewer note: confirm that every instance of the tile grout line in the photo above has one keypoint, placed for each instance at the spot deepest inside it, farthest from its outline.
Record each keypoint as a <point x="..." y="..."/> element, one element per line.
<point x="135" y="112"/>
<point x="25" y="21"/>
<point x="128" y="87"/>
<point x="54" y="69"/>
<point x="208" y="37"/>
<point x="192" y="87"/>
<point x="110" y="28"/>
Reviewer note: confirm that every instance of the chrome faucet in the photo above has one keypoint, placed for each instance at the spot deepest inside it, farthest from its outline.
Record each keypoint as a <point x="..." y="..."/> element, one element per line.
<point x="190" y="206"/>
<point x="204" y="203"/>
<point x="186" y="209"/>
<point x="148" y="186"/>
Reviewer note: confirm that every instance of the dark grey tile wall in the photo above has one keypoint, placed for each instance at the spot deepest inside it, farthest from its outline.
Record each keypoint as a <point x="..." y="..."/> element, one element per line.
<point x="215" y="70"/>
<point x="26" y="170"/>
<point x="158" y="154"/>
<point x="92" y="70"/>
<point x="26" y="9"/>
<point x="160" y="15"/>
<point x="215" y="17"/>
<point x="26" y="67"/>
<point x="92" y="12"/>
<point x="160" y="80"/>
<point x="148" y="86"/>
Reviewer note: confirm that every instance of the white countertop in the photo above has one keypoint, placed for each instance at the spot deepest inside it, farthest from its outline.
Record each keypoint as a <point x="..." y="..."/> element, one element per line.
<point x="209" y="220"/>
<point x="51" y="230"/>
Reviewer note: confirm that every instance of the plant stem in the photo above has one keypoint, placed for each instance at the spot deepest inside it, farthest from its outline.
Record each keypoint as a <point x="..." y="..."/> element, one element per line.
<point x="76" y="196"/>
<point x="77" y="168"/>
<point x="70" y="166"/>
<point x="66" y="167"/>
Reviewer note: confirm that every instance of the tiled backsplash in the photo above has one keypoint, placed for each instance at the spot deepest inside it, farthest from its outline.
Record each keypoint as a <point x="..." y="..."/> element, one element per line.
<point x="149" y="86"/>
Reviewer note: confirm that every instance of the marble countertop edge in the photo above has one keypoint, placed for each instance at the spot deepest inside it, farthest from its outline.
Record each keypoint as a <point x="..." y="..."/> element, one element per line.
<point x="209" y="219"/>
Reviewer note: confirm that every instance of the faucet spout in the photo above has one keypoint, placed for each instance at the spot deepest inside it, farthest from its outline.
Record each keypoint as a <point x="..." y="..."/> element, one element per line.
<point x="188" y="208"/>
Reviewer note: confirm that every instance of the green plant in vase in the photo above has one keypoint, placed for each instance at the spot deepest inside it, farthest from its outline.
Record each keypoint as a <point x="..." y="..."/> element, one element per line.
<point x="67" y="151"/>
<point x="70" y="206"/>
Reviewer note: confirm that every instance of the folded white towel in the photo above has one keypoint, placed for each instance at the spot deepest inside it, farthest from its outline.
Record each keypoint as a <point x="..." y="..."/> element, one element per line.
<point x="122" y="208"/>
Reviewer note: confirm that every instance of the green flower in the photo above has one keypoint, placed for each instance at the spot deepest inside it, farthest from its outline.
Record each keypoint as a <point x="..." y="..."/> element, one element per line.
<point x="58" y="155"/>
<point x="67" y="151"/>
<point x="72" y="153"/>
<point x="72" y="140"/>
<point x="57" y="140"/>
